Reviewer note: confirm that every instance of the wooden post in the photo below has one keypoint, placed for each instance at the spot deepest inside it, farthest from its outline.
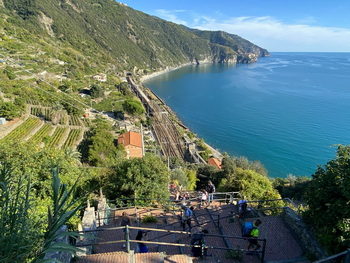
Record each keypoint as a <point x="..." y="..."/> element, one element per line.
<point x="127" y="238"/>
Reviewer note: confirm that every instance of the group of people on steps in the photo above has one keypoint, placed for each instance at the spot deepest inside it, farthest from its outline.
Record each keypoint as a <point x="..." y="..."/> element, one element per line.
<point x="250" y="229"/>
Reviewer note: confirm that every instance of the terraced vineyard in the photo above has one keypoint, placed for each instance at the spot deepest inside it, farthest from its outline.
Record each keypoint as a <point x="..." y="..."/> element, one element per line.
<point x="41" y="134"/>
<point x="86" y="122"/>
<point x="56" y="137"/>
<point x="41" y="112"/>
<point x="74" y="120"/>
<point x="72" y="138"/>
<point x="22" y="130"/>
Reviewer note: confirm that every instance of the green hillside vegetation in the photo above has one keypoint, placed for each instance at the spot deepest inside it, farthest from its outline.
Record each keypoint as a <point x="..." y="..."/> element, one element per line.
<point x="50" y="51"/>
<point x="110" y="32"/>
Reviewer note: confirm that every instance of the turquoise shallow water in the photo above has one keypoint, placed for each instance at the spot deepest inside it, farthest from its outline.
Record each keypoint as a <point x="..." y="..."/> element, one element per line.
<point x="287" y="110"/>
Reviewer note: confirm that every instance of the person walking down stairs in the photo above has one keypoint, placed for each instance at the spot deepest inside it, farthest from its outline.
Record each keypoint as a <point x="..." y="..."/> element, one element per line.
<point x="252" y="231"/>
<point x="211" y="190"/>
<point x="187" y="217"/>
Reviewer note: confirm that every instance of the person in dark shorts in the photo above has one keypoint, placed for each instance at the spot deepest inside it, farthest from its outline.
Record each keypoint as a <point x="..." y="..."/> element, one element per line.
<point x="254" y="235"/>
<point x="187" y="217"/>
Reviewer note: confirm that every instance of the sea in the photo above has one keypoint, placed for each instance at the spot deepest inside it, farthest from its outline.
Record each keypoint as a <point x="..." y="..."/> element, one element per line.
<point x="288" y="110"/>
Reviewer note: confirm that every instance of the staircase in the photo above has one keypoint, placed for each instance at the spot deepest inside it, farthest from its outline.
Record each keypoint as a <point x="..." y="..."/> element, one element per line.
<point x="224" y="228"/>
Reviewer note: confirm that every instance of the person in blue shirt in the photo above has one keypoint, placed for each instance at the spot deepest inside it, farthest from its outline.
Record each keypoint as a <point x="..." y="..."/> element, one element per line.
<point x="187" y="217"/>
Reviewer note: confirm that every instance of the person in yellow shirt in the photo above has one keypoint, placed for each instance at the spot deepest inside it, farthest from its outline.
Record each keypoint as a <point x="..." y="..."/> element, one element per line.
<point x="254" y="235"/>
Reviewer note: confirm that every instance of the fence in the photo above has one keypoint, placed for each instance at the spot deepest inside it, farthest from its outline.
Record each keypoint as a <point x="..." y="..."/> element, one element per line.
<point x="155" y="204"/>
<point x="203" y="247"/>
<point x="343" y="257"/>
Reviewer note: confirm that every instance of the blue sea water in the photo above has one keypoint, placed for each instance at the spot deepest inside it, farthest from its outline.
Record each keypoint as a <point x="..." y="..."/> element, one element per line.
<point x="288" y="110"/>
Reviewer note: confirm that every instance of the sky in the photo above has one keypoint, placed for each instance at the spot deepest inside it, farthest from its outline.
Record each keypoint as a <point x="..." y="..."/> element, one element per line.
<point x="277" y="25"/>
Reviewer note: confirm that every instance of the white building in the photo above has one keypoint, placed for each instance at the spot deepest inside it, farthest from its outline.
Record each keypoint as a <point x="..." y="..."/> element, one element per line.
<point x="100" y="77"/>
<point x="2" y="121"/>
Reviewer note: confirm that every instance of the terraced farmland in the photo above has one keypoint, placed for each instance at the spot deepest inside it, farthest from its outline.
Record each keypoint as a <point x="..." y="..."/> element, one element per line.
<point x="74" y="121"/>
<point x="73" y="136"/>
<point x="23" y="130"/>
<point x="39" y="136"/>
<point x="41" y="112"/>
<point x="56" y="137"/>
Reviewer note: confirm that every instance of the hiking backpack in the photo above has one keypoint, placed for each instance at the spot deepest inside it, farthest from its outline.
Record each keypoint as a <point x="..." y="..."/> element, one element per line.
<point x="247" y="229"/>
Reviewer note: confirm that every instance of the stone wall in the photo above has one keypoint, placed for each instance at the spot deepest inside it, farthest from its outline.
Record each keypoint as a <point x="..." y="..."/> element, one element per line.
<point x="302" y="233"/>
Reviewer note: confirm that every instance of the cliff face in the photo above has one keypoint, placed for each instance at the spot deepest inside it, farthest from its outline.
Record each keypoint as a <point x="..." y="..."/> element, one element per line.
<point x="128" y="38"/>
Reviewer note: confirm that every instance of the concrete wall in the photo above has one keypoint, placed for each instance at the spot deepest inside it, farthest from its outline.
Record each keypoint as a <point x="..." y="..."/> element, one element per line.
<point x="302" y="233"/>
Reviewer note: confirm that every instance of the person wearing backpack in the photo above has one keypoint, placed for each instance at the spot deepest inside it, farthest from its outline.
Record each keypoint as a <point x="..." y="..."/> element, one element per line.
<point x="211" y="190"/>
<point x="198" y="240"/>
<point x="251" y="230"/>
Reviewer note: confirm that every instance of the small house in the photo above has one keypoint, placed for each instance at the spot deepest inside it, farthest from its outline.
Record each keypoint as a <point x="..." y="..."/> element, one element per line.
<point x="133" y="144"/>
<point x="2" y="121"/>
<point x="214" y="162"/>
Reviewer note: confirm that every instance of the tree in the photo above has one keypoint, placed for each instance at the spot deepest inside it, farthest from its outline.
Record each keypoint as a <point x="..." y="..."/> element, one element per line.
<point x="328" y="198"/>
<point x="133" y="107"/>
<point x="140" y="178"/>
<point x="10" y="110"/>
<point x="96" y="91"/>
<point x="99" y="149"/>
<point x="251" y="185"/>
<point x="293" y="187"/>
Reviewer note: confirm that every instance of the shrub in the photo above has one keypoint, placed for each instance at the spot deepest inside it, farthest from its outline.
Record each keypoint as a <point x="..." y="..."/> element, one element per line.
<point x="149" y="219"/>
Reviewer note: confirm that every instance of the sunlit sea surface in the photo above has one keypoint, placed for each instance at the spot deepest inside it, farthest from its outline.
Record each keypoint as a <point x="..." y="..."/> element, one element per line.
<point x="289" y="110"/>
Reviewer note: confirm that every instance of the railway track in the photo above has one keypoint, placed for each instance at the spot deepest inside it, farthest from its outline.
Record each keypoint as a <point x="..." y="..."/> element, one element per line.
<point x="166" y="133"/>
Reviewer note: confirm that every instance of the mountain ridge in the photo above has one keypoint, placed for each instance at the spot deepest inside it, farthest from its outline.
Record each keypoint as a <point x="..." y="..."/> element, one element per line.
<point x="131" y="39"/>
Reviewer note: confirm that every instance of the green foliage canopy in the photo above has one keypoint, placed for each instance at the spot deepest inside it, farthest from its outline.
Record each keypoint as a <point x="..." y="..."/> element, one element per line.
<point x="139" y="178"/>
<point x="328" y="197"/>
<point x="10" y="110"/>
<point x="252" y="185"/>
<point x="133" y="107"/>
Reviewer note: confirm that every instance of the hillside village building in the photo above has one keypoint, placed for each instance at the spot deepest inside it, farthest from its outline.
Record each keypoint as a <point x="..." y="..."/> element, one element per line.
<point x="2" y="121"/>
<point x="133" y="143"/>
<point x="214" y="162"/>
<point x="100" y="77"/>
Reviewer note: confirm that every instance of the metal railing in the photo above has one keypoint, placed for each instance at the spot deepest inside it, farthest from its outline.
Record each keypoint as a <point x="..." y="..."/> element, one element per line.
<point x="343" y="257"/>
<point x="128" y="240"/>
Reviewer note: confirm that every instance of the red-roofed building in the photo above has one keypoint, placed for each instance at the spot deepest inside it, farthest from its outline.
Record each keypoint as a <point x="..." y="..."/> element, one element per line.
<point x="133" y="143"/>
<point x="214" y="162"/>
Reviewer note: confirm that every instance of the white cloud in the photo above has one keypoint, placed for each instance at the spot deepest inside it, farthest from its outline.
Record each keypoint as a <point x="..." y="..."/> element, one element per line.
<point x="278" y="36"/>
<point x="171" y="15"/>
<point x="269" y="32"/>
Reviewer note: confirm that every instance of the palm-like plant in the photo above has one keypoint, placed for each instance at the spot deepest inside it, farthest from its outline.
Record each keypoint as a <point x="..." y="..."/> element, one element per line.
<point x="64" y="207"/>
<point x="17" y="230"/>
<point x="19" y="236"/>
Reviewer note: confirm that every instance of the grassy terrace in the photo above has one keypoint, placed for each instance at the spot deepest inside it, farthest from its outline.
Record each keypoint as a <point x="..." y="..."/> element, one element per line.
<point x="39" y="136"/>
<point x="72" y="138"/>
<point x="23" y="130"/>
<point x="56" y="137"/>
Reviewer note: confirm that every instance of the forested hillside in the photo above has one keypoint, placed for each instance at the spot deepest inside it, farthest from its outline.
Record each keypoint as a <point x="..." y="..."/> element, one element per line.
<point x="126" y="37"/>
